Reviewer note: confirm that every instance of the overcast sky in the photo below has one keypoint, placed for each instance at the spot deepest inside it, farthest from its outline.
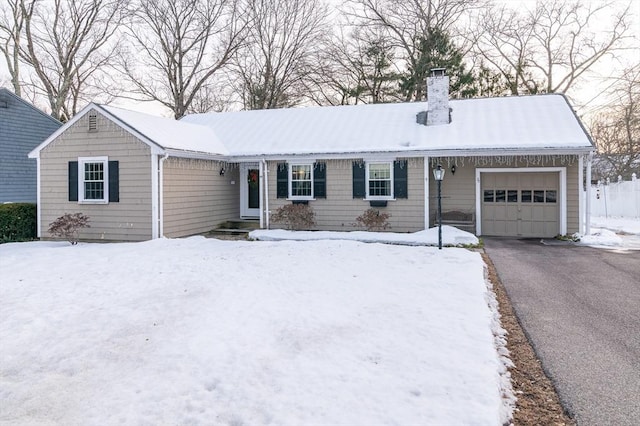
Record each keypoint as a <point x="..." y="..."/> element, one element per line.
<point x="587" y="96"/>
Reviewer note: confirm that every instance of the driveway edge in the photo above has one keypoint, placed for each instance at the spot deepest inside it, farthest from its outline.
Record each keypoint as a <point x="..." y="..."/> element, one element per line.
<point x="537" y="399"/>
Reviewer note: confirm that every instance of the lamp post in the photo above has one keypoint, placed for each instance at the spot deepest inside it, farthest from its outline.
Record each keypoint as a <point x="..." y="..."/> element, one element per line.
<point x="439" y="175"/>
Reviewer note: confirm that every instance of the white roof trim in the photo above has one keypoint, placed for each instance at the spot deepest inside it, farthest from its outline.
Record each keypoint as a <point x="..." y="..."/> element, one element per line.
<point x="155" y="148"/>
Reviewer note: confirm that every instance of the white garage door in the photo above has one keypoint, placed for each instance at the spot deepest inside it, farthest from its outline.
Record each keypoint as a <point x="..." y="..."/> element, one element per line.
<point x="520" y="204"/>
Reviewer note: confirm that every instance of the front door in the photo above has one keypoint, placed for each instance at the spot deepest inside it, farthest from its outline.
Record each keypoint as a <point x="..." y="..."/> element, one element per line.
<point x="249" y="190"/>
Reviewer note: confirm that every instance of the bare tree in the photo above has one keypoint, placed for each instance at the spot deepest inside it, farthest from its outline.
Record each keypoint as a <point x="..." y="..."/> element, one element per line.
<point x="11" y="24"/>
<point x="179" y="46"/>
<point x="333" y="82"/>
<point x="275" y="66"/>
<point x="408" y="24"/>
<point x="617" y="131"/>
<point x="356" y="68"/>
<point x="503" y="41"/>
<point x="65" y="43"/>
<point x="217" y="96"/>
<point x="549" y="48"/>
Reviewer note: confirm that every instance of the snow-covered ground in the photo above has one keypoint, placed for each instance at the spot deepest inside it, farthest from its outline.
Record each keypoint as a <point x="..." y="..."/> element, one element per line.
<point x="205" y="332"/>
<point x="618" y="232"/>
<point x="617" y="224"/>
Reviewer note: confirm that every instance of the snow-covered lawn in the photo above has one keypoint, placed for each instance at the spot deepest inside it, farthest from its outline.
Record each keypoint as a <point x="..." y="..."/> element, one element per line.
<point x="205" y="332"/>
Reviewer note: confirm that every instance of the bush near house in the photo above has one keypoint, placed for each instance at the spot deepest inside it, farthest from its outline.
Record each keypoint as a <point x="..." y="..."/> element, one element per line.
<point x="295" y="217"/>
<point x="17" y="222"/>
<point x="373" y="220"/>
<point x="68" y="226"/>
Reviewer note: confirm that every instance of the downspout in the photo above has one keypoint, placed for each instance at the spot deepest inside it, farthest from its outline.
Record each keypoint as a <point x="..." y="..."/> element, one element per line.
<point x="587" y="230"/>
<point x="581" y="191"/>
<point x="261" y="193"/>
<point x="161" y="195"/>
<point x="426" y="193"/>
<point x="38" y="205"/>
<point x="265" y="169"/>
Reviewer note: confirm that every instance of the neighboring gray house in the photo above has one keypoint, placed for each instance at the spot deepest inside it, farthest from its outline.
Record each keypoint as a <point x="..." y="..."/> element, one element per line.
<point x="22" y="128"/>
<point x="514" y="166"/>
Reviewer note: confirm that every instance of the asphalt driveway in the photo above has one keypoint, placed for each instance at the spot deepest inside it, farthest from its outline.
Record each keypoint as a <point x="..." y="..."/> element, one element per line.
<point x="580" y="307"/>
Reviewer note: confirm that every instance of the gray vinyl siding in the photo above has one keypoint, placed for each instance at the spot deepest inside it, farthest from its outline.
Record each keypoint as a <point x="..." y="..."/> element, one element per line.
<point x="339" y="210"/>
<point x="127" y="220"/>
<point x="459" y="190"/>
<point x="196" y="197"/>
<point x="22" y="128"/>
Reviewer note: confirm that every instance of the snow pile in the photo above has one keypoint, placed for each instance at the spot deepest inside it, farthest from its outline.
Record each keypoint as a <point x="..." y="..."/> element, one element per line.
<point x="500" y="341"/>
<point x="604" y="229"/>
<point x="601" y="237"/>
<point x="201" y="331"/>
<point x="451" y="236"/>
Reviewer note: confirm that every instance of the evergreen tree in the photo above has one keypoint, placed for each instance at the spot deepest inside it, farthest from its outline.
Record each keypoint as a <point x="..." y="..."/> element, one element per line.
<point x="436" y="50"/>
<point x="378" y="79"/>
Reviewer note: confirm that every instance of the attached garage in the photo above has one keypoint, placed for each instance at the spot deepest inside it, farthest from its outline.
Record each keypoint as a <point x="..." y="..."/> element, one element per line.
<point x="519" y="203"/>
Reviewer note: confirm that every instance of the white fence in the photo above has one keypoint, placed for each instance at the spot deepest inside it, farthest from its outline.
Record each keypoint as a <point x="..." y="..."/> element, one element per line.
<point x="620" y="198"/>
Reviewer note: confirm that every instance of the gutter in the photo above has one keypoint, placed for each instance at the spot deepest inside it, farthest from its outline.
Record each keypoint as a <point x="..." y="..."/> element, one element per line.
<point x="38" y="203"/>
<point x="197" y="155"/>
<point x="410" y="154"/>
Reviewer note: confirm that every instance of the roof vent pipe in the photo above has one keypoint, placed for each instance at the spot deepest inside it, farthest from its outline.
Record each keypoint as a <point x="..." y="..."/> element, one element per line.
<point x="438" y="97"/>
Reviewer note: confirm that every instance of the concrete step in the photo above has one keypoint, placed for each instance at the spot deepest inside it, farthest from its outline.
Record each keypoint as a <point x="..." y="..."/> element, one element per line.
<point x="240" y="224"/>
<point x="235" y="229"/>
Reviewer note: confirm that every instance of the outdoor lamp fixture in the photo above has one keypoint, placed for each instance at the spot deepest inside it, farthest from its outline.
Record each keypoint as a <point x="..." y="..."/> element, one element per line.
<point x="222" y="171"/>
<point x="439" y="175"/>
<point x="453" y="169"/>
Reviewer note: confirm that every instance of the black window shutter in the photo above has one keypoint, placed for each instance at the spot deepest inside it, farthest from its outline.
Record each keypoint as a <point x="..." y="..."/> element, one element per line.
<point x="400" y="179"/>
<point x="320" y="180"/>
<point x="282" y="180"/>
<point x="73" y="181"/>
<point x="359" y="179"/>
<point x="114" y="182"/>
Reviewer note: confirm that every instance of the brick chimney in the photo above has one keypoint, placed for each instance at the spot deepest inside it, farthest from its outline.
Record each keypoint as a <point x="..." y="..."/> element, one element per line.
<point x="438" y="97"/>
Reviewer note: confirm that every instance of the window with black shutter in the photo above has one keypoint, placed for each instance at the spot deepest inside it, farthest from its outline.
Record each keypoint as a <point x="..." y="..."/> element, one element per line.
<point x="73" y="181"/>
<point x="94" y="180"/>
<point x="358" y="176"/>
<point x="282" y="180"/>
<point x="380" y="180"/>
<point x="114" y="182"/>
<point x="400" y="179"/>
<point x="320" y="180"/>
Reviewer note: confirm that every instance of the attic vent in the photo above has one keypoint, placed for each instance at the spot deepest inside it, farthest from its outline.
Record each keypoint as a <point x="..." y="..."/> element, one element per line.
<point x="93" y="122"/>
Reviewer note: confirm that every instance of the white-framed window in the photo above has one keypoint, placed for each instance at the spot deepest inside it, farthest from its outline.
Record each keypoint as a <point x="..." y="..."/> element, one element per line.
<point x="379" y="180"/>
<point x="301" y="181"/>
<point x="93" y="180"/>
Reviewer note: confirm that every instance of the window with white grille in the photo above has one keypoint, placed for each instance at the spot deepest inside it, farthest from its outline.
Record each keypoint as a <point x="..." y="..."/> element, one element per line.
<point x="93" y="179"/>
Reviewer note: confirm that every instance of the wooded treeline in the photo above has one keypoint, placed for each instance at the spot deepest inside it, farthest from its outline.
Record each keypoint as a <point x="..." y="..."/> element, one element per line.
<point x="214" y="55"/>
